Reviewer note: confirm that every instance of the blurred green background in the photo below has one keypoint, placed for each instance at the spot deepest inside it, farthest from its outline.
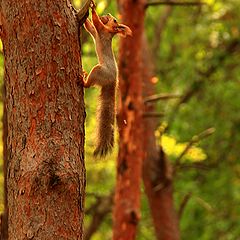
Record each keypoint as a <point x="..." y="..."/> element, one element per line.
<point x="198" y="55"/>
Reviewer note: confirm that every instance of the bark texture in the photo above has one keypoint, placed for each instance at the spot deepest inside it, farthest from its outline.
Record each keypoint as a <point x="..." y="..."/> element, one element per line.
<point x="157" y="172"/>
<point x="126" y="211"/>
<point x="4" y="215"/>
<point x="45" y="118"/>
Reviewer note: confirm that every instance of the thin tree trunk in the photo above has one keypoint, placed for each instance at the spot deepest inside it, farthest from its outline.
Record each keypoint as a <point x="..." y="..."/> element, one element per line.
<point x="159" y="189"/>
<point x="129" y="166"/>
<point x="45" y="118"/>
<point x="157" y="172"/>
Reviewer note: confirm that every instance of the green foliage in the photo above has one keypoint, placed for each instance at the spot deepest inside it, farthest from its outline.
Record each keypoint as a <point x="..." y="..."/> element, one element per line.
<point x="202" y="60"/>
<point x="194" y="55"/>
<point x="174" y="149"/>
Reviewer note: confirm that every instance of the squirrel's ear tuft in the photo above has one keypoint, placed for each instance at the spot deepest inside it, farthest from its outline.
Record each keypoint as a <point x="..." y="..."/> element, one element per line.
<point x="123" y="30"/>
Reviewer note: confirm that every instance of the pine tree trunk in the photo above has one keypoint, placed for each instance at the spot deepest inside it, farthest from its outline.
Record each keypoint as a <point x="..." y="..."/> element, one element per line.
<point x="45" y="120"/>
<point x="126" y="211"/>
<point x="4" y="215"/>
<point x="157" y="172"/>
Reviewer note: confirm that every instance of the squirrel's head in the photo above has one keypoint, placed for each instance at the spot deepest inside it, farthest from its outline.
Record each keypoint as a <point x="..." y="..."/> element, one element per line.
<point x="114" y="27"/>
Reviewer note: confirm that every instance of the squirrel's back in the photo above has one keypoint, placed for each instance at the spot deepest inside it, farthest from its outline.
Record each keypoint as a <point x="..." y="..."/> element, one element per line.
<point x="105" y="121"/>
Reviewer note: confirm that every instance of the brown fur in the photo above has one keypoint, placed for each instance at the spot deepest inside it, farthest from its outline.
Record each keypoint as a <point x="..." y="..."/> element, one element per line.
<point x="105" y="121"/>
<point x="104" y="74"/>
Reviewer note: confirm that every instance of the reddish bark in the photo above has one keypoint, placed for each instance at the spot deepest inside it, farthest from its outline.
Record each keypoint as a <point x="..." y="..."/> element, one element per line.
<point x="157" y="174"/>
<point x="4" y="216"/>
<point x="159" y="189"/>
<point x="129" y="164"/>
<point x="45" y="117"/>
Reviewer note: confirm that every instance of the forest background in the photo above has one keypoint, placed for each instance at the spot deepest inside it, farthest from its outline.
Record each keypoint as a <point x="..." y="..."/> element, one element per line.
<point x="195" y="51"/>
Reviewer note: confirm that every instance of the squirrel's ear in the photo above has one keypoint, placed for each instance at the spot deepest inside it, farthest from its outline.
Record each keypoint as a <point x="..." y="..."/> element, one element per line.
<point x="104" y="19"/>
<point x="123" y="30"/>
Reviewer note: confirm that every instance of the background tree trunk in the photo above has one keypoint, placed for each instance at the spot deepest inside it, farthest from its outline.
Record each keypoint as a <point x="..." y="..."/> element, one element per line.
<point x="157" y="171"/>
<point x="129" y="166"/>
<point x="45" y="117"/>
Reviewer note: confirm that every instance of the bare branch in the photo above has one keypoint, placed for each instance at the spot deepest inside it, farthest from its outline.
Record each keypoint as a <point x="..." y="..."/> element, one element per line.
<point x="153" y="114"/>
<point x="159" y="27"/>
<point x="195" y="139"/>
<point x="198" y="166"/>
<point x="99" y="211"/>
<point x="184" y="204"/>
<point x="173" y="3"/>
<point x="158" y="97"/>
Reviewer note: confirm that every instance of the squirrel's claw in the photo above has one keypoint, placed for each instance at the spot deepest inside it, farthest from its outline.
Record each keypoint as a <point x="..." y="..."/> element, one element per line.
<point x="92" y="5"/>
<point x="85" y="74"/>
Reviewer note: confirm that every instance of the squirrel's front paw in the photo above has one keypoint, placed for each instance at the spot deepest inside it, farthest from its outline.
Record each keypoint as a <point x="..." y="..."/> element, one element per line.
<point x="92" y="5"/>
<point x="84" y="77"/>
<point x="85" y="74"/>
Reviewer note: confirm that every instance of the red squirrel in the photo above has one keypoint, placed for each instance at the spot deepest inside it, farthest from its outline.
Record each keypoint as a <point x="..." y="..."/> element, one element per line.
<point x="105" y="75"/>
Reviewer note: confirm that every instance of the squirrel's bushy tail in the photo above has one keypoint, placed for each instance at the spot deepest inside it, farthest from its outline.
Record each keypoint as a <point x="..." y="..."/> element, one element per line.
<point x="105" y="121"/>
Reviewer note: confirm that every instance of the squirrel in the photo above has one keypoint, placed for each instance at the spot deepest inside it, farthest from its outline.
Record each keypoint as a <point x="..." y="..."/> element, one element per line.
<point x="104" y="74"/>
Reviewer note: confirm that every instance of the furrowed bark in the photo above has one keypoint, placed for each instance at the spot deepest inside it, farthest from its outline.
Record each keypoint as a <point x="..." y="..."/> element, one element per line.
<point x="45" y="120"/>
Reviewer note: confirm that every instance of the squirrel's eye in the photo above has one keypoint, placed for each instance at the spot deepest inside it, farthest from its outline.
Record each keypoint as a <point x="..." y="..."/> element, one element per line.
<point x="115" y="21"/>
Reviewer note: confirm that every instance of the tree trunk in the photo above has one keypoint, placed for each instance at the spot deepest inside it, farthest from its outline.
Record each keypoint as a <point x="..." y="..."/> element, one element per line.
<point x="4" y="215"/>
<point x="129" y="166"/>
<point x="157" y="172"/>
<point x="159" y="189"/>
<point x="45" y="120"/>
